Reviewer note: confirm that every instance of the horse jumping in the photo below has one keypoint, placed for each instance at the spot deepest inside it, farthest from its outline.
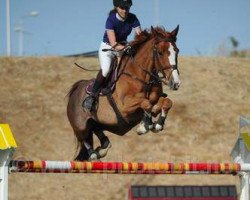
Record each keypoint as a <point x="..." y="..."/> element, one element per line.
<point x="137" y="97"/>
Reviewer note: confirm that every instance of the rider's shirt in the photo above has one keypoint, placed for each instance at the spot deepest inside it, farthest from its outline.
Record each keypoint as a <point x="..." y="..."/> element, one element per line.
<point x="122" y="28"/>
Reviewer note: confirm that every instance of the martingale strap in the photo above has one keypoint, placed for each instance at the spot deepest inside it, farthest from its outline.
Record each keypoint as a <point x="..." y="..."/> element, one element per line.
<point x="119" y="116"/>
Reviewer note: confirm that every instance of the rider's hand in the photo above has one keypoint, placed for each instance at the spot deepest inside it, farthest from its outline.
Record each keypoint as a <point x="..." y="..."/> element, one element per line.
<point x="129" y="50"/>
<point x="119" y="47"/>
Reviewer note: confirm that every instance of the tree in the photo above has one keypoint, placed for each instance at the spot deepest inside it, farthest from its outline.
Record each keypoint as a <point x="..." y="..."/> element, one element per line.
<point x="235" y="45"/>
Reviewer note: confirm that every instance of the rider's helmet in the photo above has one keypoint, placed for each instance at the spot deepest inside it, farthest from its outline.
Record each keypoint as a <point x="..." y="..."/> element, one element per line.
<point x="122" y="3"/>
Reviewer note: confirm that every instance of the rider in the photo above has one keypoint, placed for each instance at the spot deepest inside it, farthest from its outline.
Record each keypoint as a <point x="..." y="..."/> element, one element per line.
<point x="119" y="25"/>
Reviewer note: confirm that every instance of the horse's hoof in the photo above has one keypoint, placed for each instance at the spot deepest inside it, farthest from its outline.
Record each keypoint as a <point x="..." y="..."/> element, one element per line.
<point x="158" y="127"/>
<point x="102" y="152"/>
<point x="142" y="129"/>
<point x="93" y="157"/>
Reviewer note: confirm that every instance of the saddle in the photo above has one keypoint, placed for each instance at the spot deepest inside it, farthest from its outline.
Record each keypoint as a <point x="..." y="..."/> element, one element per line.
<point x="108" y="88"/>
<point x="109" y="84"/>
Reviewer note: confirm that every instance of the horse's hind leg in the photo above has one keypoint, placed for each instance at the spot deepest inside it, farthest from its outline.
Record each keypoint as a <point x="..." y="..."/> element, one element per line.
<point x="86" y="149"/>
<point x="83" y="154"/>
<point x="105" y="144"/>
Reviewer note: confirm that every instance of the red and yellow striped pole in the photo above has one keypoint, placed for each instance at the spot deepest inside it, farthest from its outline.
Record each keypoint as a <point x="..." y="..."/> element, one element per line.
<point x="125" y="167"/>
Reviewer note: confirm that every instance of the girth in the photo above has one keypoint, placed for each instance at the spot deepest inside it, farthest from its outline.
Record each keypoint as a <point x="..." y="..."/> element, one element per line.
<point x="118" y="114"/>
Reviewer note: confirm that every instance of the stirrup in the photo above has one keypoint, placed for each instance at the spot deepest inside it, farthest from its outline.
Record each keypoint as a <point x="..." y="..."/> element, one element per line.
<point x="89" y="103"/>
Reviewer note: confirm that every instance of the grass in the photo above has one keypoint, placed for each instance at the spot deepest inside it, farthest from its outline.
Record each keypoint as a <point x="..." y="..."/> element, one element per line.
<point x="202" y="125"/>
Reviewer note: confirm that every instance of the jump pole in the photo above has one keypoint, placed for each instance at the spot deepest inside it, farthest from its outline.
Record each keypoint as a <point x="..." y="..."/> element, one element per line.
<point x="126" y="167"/>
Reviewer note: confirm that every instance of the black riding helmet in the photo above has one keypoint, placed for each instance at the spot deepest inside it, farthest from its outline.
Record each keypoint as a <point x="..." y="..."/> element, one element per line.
<point x="122" y="3"/>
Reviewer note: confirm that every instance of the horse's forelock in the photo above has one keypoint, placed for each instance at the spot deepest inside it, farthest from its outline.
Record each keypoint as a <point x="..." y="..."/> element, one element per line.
<point x="161" y="33"/>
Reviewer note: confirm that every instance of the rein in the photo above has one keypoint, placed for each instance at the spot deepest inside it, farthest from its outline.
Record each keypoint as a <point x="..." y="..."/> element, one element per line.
<point x="89" y="70"/>
<point x="154" y="79"/>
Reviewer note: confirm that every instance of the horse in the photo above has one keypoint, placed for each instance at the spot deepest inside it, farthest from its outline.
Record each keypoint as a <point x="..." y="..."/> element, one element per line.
<point x="137" y="97"/>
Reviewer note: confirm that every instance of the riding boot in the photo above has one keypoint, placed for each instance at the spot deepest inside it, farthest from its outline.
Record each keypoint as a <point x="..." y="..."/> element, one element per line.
<point x="90" y="101"/>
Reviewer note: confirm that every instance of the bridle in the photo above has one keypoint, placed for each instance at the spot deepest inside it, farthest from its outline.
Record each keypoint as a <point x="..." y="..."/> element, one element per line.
<point x="157" y="59"/>
<point x="154" y="77"/>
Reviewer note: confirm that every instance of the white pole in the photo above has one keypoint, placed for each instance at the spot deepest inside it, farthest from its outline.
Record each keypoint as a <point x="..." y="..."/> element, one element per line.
<point x="4" y="182"/>
<point x="21" y="31"/>
<point x="157" y="11"/>
<point x="21" y="38"/>
<point x="21" y="43"/>
<point x="8" y="28"/>
<point x="244" y="181"/>
<point x="5" y="156"/>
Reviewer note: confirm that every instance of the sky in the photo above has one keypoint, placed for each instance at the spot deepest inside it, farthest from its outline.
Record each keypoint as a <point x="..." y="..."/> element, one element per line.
<point x="66" y="27"/>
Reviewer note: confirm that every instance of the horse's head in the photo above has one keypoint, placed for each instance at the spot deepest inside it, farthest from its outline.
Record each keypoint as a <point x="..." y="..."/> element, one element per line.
<point x="165" y="56"/>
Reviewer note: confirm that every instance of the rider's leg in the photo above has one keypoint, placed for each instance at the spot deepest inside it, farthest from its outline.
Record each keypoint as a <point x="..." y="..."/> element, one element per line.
<point x="99" y="81"/>
<point x="105" y="59"/>
<point x="91" y="99"/>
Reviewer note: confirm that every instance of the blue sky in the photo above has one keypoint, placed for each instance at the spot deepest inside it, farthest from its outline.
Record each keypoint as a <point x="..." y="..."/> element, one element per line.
<point x="66" y="27"/>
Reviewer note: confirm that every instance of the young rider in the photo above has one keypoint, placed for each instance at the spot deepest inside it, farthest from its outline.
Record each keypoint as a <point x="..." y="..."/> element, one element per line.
<point x="119" y="25"/>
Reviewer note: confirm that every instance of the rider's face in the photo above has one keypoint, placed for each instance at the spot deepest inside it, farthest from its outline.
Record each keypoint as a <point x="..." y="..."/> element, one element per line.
<point x="123" y="11"/>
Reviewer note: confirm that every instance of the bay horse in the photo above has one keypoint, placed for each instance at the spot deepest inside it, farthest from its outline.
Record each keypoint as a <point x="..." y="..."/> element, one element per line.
<point x="137" y="97"/>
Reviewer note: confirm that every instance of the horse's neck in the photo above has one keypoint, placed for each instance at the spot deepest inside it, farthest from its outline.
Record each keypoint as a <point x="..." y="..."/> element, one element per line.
<point x="142" y="61"/>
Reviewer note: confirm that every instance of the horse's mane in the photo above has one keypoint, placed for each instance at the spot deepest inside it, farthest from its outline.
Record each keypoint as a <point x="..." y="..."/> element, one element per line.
<point x="149" y="34"/>
<point x="140" y="39"/>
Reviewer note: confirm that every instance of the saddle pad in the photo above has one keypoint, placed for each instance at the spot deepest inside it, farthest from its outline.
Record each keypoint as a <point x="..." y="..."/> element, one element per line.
<point x="108" y="86"/>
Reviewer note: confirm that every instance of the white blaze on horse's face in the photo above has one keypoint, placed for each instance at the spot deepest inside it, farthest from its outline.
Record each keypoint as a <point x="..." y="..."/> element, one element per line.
<point x="175" y="78"/>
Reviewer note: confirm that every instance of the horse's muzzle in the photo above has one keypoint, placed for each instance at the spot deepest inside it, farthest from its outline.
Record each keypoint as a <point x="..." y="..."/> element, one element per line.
<point x="173" y="80"/>
<point x="173" y="85"/>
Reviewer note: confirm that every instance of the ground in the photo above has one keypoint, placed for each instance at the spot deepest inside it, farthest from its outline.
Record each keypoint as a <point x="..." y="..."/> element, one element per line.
<point x="202" y="125"/>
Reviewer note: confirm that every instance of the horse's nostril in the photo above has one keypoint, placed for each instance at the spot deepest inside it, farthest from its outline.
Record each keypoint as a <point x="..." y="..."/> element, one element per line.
<point x="174" y="86"/>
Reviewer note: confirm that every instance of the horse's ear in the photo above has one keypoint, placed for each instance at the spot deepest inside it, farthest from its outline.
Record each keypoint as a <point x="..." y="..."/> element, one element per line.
<point x="175" y="31"/>
<point x="153" y="30"/>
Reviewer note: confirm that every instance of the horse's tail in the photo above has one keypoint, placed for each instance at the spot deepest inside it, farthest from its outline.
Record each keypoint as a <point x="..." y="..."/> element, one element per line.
<point x="79" y="124"/>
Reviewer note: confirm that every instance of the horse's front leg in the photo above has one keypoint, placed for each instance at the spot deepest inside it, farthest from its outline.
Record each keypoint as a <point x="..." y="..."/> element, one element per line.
<point x="147" y="123"/>
<point x="132" y="103"/>
<point x="163" y="106"/>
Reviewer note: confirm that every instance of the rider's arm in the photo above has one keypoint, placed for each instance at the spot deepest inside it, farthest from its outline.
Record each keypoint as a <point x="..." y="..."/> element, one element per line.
<point x="138" y="30"/>
<point x="136" y="25"/>
<point x="112" y="40"/>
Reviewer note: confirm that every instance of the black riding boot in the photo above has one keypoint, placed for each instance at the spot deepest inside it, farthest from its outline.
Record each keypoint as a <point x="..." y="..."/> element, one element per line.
<point x="90" y="101"/>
